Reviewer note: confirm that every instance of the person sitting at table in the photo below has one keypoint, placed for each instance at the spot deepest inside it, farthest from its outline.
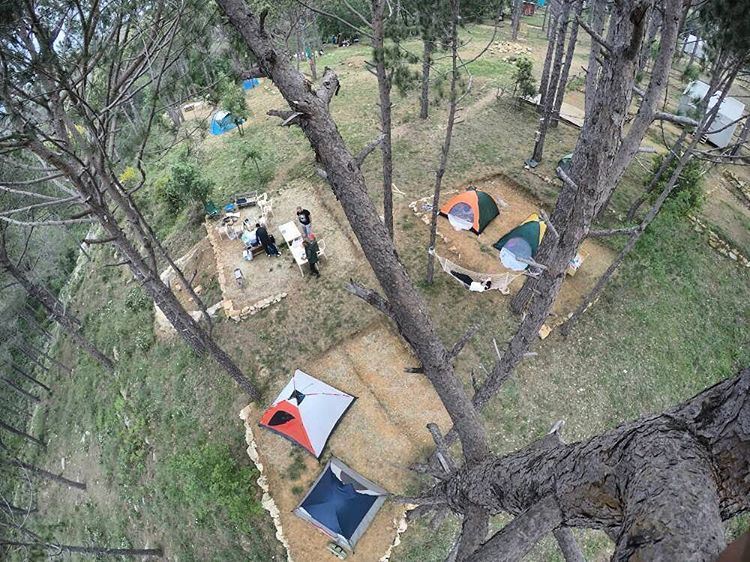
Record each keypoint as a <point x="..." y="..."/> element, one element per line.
<point x="265" y="240"/>
<point x="250" y="238"/>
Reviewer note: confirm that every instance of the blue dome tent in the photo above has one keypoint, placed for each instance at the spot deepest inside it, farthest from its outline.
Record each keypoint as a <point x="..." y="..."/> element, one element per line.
<point x="223" y="121"/>
<point x="250" y="83"/>
<point x="341" y="503"/>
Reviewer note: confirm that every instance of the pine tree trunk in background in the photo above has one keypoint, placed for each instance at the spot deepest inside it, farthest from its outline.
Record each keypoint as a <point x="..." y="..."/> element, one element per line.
<point x="28" y="377"/>
<point x="9" y="383"/>
<point x="22" y="434"/>
<point x="55" y="309"/>
<point x="446" y="143"/>
<point x="563" y="83"/>
<point x="653" y="29"/>
<point x="592" y="69"/>
<point x="384" y="92"/>
<point x="554" y="80"/>
<point x="516" y="19"/>
<point x="544" y="82"/>
<point x="47" y="475"/>
<point x="424" y="99"/>
<point x="11" y="509"/>
<point x="685" y="158"/>
<point x="742" y="139"/>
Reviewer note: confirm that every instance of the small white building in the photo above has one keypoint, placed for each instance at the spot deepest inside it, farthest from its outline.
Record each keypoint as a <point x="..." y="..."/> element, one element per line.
<point x="693" y="42"/>
<point x="726" y="120"/>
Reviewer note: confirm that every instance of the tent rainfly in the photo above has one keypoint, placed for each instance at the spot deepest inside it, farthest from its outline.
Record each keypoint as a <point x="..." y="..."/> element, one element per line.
<point x="725" y="122"/>
<point x="521" y="242"/>
<point x="306" y="412"/>
<point x="341" y="503"/>
<point x="223" y="121"/>
<point x="471" y="210"/>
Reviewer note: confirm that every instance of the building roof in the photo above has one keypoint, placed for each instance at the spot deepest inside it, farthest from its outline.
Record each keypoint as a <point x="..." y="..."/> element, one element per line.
<point x="730" y="107"/>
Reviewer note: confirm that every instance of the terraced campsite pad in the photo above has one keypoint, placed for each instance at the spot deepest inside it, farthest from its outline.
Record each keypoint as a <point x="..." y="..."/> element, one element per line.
<point x="477" y="254"/>
<point x="382" y="433"/>
<point x="266" y="277"/>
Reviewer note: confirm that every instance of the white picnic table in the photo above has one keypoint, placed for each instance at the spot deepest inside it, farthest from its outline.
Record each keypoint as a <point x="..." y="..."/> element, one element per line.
<point x="293" y="239"/>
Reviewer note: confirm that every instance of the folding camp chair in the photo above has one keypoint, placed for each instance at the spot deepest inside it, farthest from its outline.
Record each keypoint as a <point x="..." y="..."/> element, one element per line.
<point x="211" y="210"/>
<point x="322" y="249"/>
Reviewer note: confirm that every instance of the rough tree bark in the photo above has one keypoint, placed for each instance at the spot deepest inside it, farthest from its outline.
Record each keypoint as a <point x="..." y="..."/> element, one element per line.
<point x="384" y="93"/>
<point x="445" y="149"/>
<point x="54" y="308"/>
<point x="662" y="484"/>
<point x="404" y="305"/>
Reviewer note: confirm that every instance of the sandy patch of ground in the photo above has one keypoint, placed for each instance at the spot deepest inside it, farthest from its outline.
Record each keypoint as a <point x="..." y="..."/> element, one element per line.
<point x="265" y="277"/>
<point x="476" y="252"/>
<point x="380" y="436"/>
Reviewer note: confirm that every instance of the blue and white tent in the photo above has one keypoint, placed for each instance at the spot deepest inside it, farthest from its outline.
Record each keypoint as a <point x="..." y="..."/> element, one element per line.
<point x="341" y="503"/>
<point x="223" y="121"/>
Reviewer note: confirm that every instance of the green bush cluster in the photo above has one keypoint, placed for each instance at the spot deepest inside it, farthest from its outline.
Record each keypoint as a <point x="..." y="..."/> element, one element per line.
<point x="687" y="195"/>
<point x="211" y="483"/>
<point x="185" y="184"/>
<point x="523" y="78"/>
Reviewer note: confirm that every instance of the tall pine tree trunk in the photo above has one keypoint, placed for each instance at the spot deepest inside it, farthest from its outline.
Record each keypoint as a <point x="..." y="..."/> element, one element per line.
<point x="41" y="473"/>
<point x="424" y="100"/>
<point x="384" y="92"/>
<point x="515" y="22"/>
<point x="563" y="83"/>
<point x="453" y="103"/>
<point x="54" y="308"/>
<point x="554" y="80"/>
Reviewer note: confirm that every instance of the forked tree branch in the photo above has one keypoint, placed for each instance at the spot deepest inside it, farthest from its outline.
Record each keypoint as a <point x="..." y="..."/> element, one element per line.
<point x="517" y="538"/>
<point x="595" y="36"/>
<point x="367" y="150"/>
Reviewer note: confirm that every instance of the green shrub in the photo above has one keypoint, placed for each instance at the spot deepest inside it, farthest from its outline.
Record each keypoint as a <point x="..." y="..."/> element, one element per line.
<point x="209" y="480"/>
<point x="523" y="79"/>
<point x="692" y="72"/>
<point x="688" y="192"/>
<point x="136" y="299"/>
<point x="185" y="184"/>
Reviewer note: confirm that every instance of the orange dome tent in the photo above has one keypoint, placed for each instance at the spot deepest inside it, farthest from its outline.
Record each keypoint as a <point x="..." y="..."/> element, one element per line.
<point x="471" y="210"/>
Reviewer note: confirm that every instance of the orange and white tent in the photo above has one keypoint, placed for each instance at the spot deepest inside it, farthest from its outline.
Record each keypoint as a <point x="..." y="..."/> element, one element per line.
<point x="306" y="412"/>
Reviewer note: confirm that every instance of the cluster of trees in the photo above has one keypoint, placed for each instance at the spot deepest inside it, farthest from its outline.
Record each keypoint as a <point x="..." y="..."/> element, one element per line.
<point x="72" y="79"/>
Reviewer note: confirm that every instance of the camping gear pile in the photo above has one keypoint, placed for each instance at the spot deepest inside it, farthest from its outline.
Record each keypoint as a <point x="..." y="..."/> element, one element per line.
<point x="341" y="502"/>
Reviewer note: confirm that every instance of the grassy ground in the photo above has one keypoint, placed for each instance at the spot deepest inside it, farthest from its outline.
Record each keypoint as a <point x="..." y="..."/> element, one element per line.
<point x="160" y="443"/>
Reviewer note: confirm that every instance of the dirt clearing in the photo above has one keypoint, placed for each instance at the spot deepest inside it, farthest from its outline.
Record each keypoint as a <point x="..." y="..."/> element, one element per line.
<point x="379" y="437"/>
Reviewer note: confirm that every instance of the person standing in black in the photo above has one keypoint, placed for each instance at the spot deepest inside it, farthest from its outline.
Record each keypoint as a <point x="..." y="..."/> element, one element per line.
<point x="311" y="253"/>
<point x="265" y="240"/>
<point x="303" y="215"/>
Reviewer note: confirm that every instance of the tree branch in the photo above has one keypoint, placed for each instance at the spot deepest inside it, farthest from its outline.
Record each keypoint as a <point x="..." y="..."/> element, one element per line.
<point x="595" y="36"/>
<point x="672" y="118"/>
<point x="329" y="86"/>
<point x="568" y="545"/>
<point x="444" y="457"/>
<point x="516" y="539"/>
<point x="459" y="345"/>
<point x="373" y="298"/>
<point x="613" y="232"/>
<point x="365" y="152"/>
